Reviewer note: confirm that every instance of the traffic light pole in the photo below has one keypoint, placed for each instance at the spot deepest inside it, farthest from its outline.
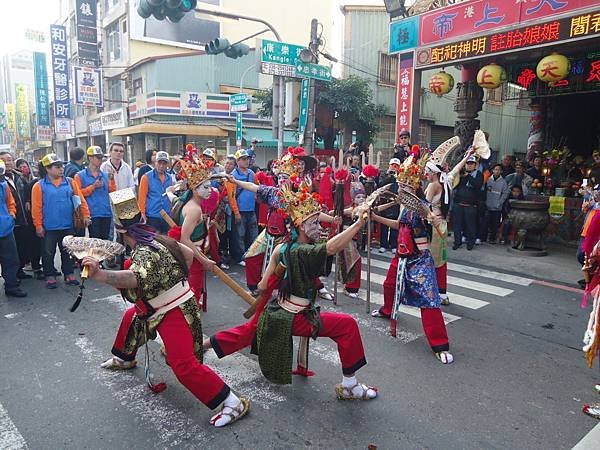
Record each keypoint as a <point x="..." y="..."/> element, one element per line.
<point x="309" y="133"/>
<point x="278" y="81"/>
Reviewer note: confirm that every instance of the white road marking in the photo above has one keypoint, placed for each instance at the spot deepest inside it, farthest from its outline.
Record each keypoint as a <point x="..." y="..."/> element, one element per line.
<point x="589" y="441"/>
<point x="377" y="299"/>
<point x="10" y="438"/>
<point x="482" y="287"/>
<point x="12" y="315"/>
<point x="513" y="279"/>
<point x="466" y="302"/>
<point x="484" y="273"/>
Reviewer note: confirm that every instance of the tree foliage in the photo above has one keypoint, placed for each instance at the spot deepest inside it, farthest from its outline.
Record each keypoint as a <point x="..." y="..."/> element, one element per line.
<point x="265" y="98"/>
<point x="350" y="99"/>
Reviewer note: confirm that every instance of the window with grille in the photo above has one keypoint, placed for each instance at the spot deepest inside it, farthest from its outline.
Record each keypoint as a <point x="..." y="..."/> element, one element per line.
<point x="113" y="90"/>
<point x="113" y="42"/>
<point x="388" y="69"/>
<point x="495" y="95"/>
<point x="138" y="86"/>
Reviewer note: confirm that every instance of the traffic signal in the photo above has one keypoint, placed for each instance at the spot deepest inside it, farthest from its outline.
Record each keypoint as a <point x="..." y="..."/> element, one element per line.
<point x="221" y="45"/>
<point x="174" y="10"/>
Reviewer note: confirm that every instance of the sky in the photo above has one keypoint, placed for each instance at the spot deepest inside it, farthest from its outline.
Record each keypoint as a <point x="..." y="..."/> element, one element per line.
<point x="19" y="15"/>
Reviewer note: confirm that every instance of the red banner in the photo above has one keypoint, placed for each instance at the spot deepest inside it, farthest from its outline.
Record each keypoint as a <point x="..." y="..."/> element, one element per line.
<point x="405" y="86"/>
<point x="474" y="17"/>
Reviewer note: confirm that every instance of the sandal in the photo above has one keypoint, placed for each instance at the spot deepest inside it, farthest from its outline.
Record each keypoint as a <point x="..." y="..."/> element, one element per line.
<point x="597" y="388"/>
<point x="378" y="313"/>
<point x="592" y="410"/>
<point x="445" y="357"/>
<point x="71" y="281"/>
<point x="114" y="363"/>
<point x="235" y="414"/>
<point x="345" y="393"/>
<point x="444" y="301"/>
<point x="51" y="284"/>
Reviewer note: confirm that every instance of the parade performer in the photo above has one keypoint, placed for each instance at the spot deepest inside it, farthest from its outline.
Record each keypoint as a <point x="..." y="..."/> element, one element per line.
<point x="591" y="269"/>
<point x="411" y="277"/>
<point x="259" y="252"/>
<point x="192" y="229"/>
<point x="294" y="312"/>
<point x="438" y="194"/>
<point x="155" y="282"/>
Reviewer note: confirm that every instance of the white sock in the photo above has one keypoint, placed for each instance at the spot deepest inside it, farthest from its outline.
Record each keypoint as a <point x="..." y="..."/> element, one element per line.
<point x="323" y="290"/>
<point x="348" y="381"/>
<point x="231" y="401"/>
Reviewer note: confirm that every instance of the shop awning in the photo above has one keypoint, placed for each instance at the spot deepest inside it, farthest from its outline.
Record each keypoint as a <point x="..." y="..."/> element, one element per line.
<point x="168" y="128"/>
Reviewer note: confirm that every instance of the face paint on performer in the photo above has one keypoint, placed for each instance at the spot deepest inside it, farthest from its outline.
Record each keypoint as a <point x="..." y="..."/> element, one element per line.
<point x="204" y="189"/>
<point x="312" y="228"/>
<point x="359" y="199"/>
<point x="283" y="179"/>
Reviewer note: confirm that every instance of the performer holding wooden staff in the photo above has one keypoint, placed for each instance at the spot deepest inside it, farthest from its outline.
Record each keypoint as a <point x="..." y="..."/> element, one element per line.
<point x="155" y="282"/>
<point x="411" y="278"/>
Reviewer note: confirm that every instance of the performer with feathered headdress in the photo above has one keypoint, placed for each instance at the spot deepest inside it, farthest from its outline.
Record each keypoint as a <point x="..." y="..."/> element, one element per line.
<point x="294" y="312"/>
<point x="411" y="277"/>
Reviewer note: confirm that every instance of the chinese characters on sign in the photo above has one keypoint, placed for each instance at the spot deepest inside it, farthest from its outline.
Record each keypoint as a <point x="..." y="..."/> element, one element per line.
<point x="404" y="34"/>
<point x="60" y="72"/>
<point x="582" y="26"/>
<point x="88" y="86"/>
<point x="87" y="34"/>
<point x="283" y="59"/>
<point x="404" y="93"/>
<point x="466" y="18"/>
<point x="41" y="89"/>
<point x="303" y="119"/>
<point x="23" y="124"/>
<point x="11" y="117"/>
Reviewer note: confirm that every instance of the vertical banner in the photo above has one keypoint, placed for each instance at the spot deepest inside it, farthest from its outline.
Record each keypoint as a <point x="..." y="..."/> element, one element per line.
<point x="87" y="34"/>
<point x="11" y="117"/>
<point x="238" y="129"/>
<point x="23" y="120"/>
<point x="88" y="86"/>
<point x="303" y="119"/>
<point x="60" y="72"/>
<point x="405" y="87"/>
<point x="41" y="89"/>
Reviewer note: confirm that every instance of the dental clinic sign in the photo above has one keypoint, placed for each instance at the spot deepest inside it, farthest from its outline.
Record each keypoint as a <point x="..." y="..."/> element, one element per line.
<point x="60" y="72"/>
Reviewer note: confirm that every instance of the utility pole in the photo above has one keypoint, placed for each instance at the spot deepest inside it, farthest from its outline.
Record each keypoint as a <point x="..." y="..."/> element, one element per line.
<point x="309" y="133"/>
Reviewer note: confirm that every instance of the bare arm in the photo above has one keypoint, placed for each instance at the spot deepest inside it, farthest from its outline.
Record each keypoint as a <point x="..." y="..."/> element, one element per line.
<point x="341" y="240"/>
<point x="191" y="220"/>
<point x="392" y="223"/>
<point x="432" y="190"/>
<point x="243" y="184"/>
<point x="456" y="169"/>
<point x="326" y="218"/>
<point x="270" y="270"/>
<point x="120" y="279"/>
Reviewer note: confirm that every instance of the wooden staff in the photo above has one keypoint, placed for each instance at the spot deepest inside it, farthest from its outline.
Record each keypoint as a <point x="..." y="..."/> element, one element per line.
<point x="230" y="282"/>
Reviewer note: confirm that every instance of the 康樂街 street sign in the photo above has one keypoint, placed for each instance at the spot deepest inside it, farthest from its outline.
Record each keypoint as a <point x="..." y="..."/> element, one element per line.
<point x="283" y="59"/>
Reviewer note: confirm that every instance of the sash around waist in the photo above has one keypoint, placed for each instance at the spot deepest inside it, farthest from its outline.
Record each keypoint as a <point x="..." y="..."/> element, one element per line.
<point x="171" y="298"/>
<point x="294" y="304"/>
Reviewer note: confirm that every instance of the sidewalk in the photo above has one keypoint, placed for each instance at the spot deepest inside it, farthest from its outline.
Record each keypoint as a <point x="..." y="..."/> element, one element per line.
<point x="559" y="266"/>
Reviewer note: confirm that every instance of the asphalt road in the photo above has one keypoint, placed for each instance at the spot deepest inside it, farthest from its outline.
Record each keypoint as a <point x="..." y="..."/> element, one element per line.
<point x="518" y="381"/>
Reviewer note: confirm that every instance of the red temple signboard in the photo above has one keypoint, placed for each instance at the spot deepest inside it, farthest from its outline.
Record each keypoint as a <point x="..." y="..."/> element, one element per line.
<point x="405" y="86"/>
<point x="478" y="16"/>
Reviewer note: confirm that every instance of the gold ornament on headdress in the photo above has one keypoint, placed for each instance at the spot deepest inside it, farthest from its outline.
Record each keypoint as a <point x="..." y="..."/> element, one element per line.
<point x="124" y="204"/>
<point x="300" y="205"/>
<point x="411" y="172"/>
<point x="287" y="165"/>
<point x="196" y="172"/>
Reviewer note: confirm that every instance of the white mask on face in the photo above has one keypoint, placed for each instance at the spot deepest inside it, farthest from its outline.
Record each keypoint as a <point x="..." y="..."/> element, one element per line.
<point x="204" y="190"/>
<point x="312" y="228"/>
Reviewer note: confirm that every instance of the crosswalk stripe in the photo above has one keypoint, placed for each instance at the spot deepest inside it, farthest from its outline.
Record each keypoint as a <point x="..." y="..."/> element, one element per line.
<point x="10" y="437"/>
<point x="475" y="286"/>
<point x="377" y="299"/>
<point x="466" y="302"/>
<point x="513" y="279"/>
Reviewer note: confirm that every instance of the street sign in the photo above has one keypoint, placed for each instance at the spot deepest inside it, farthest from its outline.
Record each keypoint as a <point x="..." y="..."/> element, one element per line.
<point x="279" y="52"/>
<point x="304" y="95"/>
<point x="238" y="129"/>
<point x="238" y="102"/>
<point x="315" y="71"/>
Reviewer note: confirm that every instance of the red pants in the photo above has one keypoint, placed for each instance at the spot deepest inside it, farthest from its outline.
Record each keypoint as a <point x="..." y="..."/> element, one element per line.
<point x="341" y="328"/>
<point x="198" y="378"/>
<point x="253" y="270"/>
<point x="354" y="285"/>
<point x="196" y="279"/>
<point x="431" y="318"/>
<point x="441" y="274"/>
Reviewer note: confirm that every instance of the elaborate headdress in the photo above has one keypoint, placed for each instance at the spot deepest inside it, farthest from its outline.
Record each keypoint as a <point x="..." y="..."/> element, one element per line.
<point x="287" y="164"/>
<point x="411" y="172"/>
<point x="125" y="207"/>
<point x="436" y="161"/>
<point x="299" y="206"/>
<point x="196" y="172"/>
